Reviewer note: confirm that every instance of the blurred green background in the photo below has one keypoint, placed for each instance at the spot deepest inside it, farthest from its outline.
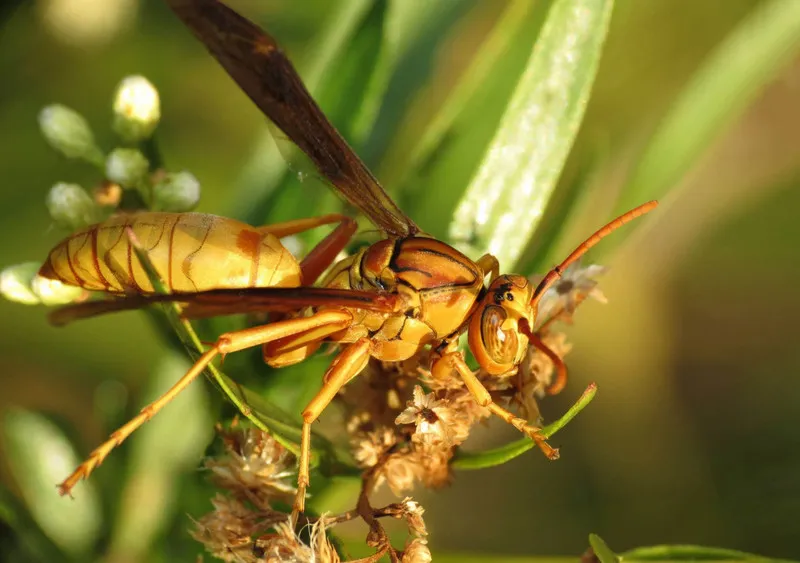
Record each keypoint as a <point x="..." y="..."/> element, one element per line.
<point x="693" y="437"/>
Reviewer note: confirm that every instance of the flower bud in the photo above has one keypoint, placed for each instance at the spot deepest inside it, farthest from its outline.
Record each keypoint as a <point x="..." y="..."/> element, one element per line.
<point x="137" y="109"/>
<point x="68" y="132"/>
<point x="127" y="167"/>
<point x="53" y="292"/>
<point x="15" y="283"/>
<point x="71" y="207"/>
<point x="178" y="192"/>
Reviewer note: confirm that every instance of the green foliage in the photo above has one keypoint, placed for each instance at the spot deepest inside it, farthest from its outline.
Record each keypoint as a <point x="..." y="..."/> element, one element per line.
<point x="509" y="123"/>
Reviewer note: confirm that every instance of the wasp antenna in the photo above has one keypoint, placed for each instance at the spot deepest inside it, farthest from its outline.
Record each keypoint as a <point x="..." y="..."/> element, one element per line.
<point x="556" y="273"/>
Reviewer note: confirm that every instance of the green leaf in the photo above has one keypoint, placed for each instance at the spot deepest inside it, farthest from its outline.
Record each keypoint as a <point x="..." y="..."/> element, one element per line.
<point x="478" y="73"/>
<point x="691" y="553"/>
<point x="601" y="550"/>
<point x="503" y="454"/>
<point x="29" y="543"/>
<point x="507" y="197"/>
<point x="728" y="81"/>
<point x="39" y="456"/>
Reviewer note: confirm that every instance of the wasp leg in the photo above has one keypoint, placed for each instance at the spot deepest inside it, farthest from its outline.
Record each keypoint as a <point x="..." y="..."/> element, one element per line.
<point x="489" y="264"/>
<point x="348" y="364"/>
<point x="323" y="254"/>
<point x="227" y="343"/>
<point x="455" y="360"/>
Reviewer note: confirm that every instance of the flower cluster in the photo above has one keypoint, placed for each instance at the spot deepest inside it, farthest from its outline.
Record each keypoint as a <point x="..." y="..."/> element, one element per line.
<point x="248" y="524"/>
<point x="409" y="424"/>
<point x="129" y="180"/>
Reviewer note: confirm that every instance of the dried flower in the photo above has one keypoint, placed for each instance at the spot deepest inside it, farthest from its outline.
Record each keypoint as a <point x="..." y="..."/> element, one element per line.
<point x="576" y="284"/>
<point x="417" y="552"/>
<point x="431" y="417"/>
<point x="412" y="512"/>
<point x="369" y="447"/>
<point x="400" y="471"/>
<point x="255" y="467"/>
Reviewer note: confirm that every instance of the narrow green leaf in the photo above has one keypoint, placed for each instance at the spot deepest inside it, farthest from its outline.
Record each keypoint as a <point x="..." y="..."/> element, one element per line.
<point x="503" y="454"/>
<point x="39" y="456"/>
<point x="479" y="71"/>
<point x="508" y="195"/>
<point x="692" y="553"/>
<point x="601" y="550"/>
<point x="767" y="40"/>
<point x="29" y="542"/>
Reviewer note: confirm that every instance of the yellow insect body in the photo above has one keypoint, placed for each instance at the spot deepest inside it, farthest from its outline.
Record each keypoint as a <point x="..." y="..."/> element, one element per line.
<point x="191" y="252"/>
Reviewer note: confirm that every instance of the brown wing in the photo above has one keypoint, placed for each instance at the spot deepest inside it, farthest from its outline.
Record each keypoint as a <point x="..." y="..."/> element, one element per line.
<point x="254" y="60"/>
<point x="217" y="302"/>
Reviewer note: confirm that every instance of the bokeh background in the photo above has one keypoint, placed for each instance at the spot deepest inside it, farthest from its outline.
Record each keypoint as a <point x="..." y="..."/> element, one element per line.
<point x="694" y="435"/>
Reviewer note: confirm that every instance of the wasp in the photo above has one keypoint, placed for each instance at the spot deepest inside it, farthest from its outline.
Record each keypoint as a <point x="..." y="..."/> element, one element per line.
<point x="388" y="301"/>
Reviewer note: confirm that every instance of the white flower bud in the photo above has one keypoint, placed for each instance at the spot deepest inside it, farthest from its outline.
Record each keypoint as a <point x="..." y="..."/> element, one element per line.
<point x="137" y="109"/>
<point x="53" y="292"/>
<point x="127" y="167"/>
<point x="68" y="132"/>
<point x="176" y="192"/>
<point x="15" y="283"/>
<point x="71" y="207"/>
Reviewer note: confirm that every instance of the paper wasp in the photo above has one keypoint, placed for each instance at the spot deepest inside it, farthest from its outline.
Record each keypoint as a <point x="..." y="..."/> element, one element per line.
<point x="387" y="301"/>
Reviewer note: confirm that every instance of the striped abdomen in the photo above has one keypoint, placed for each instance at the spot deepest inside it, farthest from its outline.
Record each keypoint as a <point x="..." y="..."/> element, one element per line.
<point x="190" y="251"/>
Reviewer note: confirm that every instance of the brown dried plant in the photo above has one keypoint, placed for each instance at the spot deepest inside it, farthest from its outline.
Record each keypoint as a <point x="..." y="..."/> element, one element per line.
<point x="404" y="427"/>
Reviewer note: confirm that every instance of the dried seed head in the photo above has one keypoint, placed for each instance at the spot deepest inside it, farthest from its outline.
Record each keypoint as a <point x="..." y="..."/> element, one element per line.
<point x="369" y="447"/>
<point x="400" y="471"/>
<point x="576" y="284"/>
<point x="412" y="512"/>
<point x="431" y="417"/>
<point x="254" y="466"/>
<point x="227" y="531"/>
<point x="417" y="552"/>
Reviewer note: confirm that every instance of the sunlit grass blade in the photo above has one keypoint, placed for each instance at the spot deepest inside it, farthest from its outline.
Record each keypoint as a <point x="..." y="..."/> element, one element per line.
<point x="479" y="71"/>
<point x="728" y="81"/>
<point x="28" y="542"/>
<point x="601" y="550"/>
<point x="412" y="35"/>
<point x="503" y="454"/>
<point x="39" y="456"/>
<point x="507" y="197"/>
<point x="693" y="553"/>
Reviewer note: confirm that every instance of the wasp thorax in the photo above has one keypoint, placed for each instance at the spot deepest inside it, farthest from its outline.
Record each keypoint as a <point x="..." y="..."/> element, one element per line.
<point x="494" y="335"/>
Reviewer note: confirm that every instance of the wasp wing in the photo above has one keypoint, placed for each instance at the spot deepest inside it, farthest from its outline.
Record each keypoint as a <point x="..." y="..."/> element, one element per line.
<point x="257" y="64"/>
<point x="218" y="302"/>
